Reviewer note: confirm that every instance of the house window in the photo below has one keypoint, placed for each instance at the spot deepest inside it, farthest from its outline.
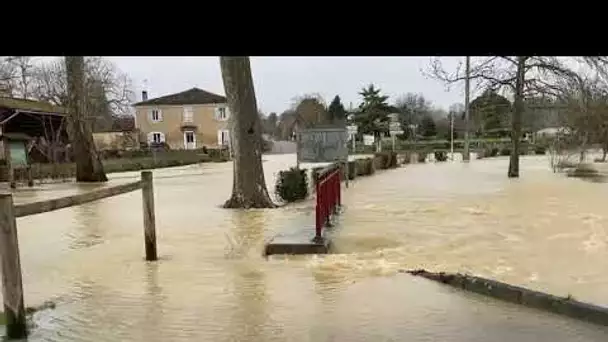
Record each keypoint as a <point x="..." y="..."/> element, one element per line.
<point x="223" y="137"/>
<point x="155" y="115"/>
<point x="189" y="137"/>
<point x="221" y="113"/>
<point x="156" y="138"/>
<point x="188" y="114"/>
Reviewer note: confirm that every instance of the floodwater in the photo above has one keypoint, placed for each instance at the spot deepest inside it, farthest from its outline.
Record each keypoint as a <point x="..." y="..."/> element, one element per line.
<point x="544" y="231"/>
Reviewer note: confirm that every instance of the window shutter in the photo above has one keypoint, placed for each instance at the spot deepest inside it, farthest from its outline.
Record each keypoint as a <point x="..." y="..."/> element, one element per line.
<point x="216" y="113"/>
<point x="150" y="137"/>
<point x="162" y="137"/>
<point x="160" y="115"/>
<point x="150" y="115"/>
<point x="219" y="137"/>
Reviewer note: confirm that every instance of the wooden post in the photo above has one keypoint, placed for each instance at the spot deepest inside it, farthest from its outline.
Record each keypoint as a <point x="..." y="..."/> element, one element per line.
<point x="30" y="178"/>
<point x="12" y="284"/>
<point x="147" y="192"/>
<point x="9" y="164"/>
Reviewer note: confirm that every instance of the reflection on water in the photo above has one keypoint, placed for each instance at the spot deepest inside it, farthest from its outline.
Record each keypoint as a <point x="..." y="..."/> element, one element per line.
<point x="544" y="231"/>
<point x="89" y="223"/>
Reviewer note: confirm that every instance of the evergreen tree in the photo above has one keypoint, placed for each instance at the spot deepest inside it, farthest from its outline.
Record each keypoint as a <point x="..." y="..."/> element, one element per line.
<point x="372" y="115"/>
<point x="428" y="127"/>
<point x="336" y="111"/>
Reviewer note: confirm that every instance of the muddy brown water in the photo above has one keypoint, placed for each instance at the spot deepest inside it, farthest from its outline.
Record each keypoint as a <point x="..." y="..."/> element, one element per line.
<point x="544" y="231"/>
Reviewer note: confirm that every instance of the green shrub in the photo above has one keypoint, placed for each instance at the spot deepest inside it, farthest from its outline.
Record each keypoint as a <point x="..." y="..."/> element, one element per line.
<point x="292" y="185"/>
<point x="352" y="169"/>
<point x="387" y="160"/>
<point x="266" y="145"/>
<point x="441" y="156"/>
<point x="365" y="167"/>
<point x="540" y="150"/>
<point x="360" y="167"/>
<point x="371" y="167"/>
<point x="407" y="157"/>
<point x="421" y="157"/>
<point x="378" y="162"/>
<point x="505" y="151"/>
<point x="489" y="152"/>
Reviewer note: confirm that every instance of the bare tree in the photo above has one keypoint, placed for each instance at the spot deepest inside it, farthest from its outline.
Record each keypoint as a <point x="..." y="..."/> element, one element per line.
<point x="23" y="67"/>
<point x="108" y="90"/>
<point x="88" y="163"/>
<point x="8" y="73"/>
<point x="249" y="186"/>
<point x="585" y="113"/>
<point x="310" y="110"/>
<point x="520" y="77"/>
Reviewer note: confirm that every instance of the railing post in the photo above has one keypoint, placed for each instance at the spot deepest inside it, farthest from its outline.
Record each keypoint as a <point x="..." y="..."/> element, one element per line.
<point x="12" y="283"/>
<point x="318" y="215"/>
<point x="339" y="189"/>
<point x="147" y="192"/>
<point x="327" y="195"/>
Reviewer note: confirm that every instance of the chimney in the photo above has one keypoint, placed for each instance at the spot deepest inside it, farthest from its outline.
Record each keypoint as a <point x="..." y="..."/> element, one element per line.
<point x="144" y="92"/>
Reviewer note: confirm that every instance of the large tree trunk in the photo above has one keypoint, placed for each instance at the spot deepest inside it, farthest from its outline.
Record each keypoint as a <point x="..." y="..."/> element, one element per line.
<point x="517" y="117"/>
<point x="248" y="185"/>
<point x="88" y="163"/>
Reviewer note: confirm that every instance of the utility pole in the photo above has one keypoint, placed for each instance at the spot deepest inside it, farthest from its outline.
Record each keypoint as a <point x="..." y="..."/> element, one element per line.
<point x="465" y="155"/>
<point x="452" y="135"/>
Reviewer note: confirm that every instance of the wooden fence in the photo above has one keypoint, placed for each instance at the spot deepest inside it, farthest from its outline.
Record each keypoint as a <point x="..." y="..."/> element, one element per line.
<point x="14" y="309"/>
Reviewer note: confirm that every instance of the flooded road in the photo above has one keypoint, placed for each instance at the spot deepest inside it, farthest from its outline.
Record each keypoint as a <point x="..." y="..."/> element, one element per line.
<point x="544" y="231"/>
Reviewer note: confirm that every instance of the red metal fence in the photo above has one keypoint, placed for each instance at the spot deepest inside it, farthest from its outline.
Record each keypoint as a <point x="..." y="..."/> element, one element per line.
<point x="328" y="199"/>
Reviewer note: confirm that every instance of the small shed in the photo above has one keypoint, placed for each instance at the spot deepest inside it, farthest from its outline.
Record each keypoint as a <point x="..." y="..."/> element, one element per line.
<point x="15" y="156"/>
<point x="27" y="125"/>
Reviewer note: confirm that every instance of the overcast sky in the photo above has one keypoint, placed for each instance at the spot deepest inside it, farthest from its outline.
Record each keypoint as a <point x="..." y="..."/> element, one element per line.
<point x="279" y="79"/>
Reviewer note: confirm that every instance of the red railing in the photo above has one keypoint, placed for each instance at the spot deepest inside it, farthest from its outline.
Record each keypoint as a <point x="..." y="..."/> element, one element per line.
<point x="328" y="199"/>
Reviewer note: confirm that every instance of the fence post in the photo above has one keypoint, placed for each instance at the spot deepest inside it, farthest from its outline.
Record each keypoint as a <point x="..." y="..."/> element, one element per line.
<point x="30" y="176"/>
<point x="12" y="283"/>
<point x="318" y="218"/>
<point x="147" y="192"/>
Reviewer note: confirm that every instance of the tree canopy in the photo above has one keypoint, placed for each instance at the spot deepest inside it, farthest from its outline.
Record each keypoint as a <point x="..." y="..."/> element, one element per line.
<point x="372" y="114"/>
<point x="336" y="112"/>
<point x="490" y="111"/>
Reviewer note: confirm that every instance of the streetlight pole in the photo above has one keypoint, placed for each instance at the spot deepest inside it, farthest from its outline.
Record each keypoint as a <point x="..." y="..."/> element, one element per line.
<point x="465" y="154"/>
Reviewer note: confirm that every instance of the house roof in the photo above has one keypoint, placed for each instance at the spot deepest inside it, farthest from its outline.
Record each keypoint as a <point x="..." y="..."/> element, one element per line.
<point x="190" y="96"/>
<point x="30" y="105"/>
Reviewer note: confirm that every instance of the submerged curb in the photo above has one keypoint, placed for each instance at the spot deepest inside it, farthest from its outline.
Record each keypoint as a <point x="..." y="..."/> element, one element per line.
<point x="565" y="306"/>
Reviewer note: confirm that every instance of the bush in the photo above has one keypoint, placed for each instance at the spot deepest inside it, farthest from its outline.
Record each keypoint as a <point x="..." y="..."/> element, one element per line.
<point x="421" y="157"/>
<point x="505" y="151"/>
<point x="292" y="185"/>
<point x="540" y="150"/>
<point x="489" y="152"/>
<point x="266" y="145"/>
<point x="352" y="170"/>
<point x="365" y="167"/>
<point x="441" y="156"/>
<point x="370" y="166"/>
<point x="385" y="160"/>
<point x="360" y="167"/>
